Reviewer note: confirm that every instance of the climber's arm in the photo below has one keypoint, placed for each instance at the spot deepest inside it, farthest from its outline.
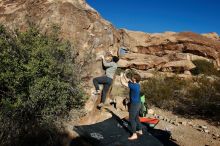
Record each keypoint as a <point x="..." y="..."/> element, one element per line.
<point x="107" y="64"/>
<point x="124" y="79"/>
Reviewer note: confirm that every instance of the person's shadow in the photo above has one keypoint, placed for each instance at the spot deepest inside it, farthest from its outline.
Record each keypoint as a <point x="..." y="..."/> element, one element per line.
<point x="115" y="131"/>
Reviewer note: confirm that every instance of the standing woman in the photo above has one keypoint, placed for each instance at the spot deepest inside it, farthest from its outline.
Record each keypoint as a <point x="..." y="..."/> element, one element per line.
<point x="135" y="103"/>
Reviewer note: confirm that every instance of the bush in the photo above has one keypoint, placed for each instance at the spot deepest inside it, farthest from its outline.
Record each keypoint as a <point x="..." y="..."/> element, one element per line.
<point x="163" y="91"/>
<point x="37" y="83"/>
<point x="205" y="96"/>
<point x="199" y="97"/>
<point x="204" y="67"/>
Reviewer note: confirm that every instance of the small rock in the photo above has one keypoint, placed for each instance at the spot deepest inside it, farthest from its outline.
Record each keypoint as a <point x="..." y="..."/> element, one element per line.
<point x="177" y="124"/>
<point x="199" y="129"/>
<point x="215" y="135"/>
<point x="172" y="122"/>
<point x="150" y="111"/>
<point x="195" y="126"/>
<point x="190" y="123"/>
<point x="168" y="120"/>
<point x="203" y="127"/>
<point x="183" y="123"/>
<point x="206" y="131"/>
<point x="187" y="72"/>
<point x="161" y="117"/>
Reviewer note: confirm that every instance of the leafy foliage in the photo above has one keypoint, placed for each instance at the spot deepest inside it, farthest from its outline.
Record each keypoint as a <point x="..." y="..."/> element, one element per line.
<point x="37" y="82"/>
<point x="205" y="96"/>
<point x="204" y="67"/>
<point x="200" y="96"/>
<point x="162" y="91"/>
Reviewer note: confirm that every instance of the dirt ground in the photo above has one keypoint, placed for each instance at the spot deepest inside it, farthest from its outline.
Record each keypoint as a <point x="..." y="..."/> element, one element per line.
<point x="188" y="132"/>
<point x="185" y="132"/>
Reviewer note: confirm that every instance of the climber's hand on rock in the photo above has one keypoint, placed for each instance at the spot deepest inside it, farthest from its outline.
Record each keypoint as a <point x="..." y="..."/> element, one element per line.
<point x="98" y="58"/>
<point x="122" y="75"/>
<point x="102" y="57"/>
<point x="110" y="53"/>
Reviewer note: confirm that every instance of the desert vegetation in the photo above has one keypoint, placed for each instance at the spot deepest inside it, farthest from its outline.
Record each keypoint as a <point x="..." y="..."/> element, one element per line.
<point x="205" y="67"/>
<point x="196" y="97"/>
<point x="39" y="84"/>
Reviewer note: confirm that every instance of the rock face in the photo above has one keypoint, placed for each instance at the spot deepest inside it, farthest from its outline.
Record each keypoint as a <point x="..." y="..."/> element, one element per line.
<point x="168" y="51"/>
<point x="79" y="23"/>
<point x="212" y="35"/>
<point x="85" y="28"/>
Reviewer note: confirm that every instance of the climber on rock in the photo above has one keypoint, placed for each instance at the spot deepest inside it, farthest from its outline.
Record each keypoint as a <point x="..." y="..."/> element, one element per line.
<point x="107" y="79"/>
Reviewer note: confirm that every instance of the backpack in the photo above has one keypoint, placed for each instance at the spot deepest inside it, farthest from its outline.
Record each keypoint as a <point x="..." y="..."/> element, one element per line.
<point x="143" y="110"/>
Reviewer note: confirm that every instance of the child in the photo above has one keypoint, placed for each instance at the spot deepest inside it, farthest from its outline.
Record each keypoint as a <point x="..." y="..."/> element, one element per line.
<point x="135" y="103"/>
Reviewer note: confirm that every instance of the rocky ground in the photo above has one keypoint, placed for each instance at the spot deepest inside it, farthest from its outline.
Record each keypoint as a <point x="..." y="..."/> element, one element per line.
<point x="188" y="132"/>
<point x="185" y="132"/>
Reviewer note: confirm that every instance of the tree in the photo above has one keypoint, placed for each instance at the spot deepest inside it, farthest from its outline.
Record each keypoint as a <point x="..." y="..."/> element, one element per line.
<point x="37" y="82"/>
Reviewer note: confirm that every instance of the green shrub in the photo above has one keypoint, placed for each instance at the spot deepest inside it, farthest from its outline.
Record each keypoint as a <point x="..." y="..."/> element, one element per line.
<point x="37" y="83"/>
<point x="205" y="97"/>
<point x="163" y="91"/>
<point x="204" y="67"/>
<point x="199" y="97"/>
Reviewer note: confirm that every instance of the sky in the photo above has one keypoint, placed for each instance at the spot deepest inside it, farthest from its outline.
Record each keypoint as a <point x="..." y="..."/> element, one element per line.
<point x="200" y="16"/>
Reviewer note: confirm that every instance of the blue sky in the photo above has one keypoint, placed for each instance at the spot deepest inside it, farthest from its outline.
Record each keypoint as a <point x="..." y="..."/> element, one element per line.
<point x="201" y="16"/>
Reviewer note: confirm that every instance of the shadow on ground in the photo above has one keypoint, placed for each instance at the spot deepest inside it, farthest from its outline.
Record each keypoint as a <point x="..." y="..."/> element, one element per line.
<point x="209" y="114"/>
<point x="115" y="131"/>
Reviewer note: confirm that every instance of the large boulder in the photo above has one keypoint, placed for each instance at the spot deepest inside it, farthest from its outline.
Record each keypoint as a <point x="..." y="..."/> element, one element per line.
<point x="182" y="64"/>
<point x="173" y="45"/>
<point x="91" y="34"/>
<point x="79" y="22"/>
<point x="212" y="35"/>
<point x="141" y="61"/>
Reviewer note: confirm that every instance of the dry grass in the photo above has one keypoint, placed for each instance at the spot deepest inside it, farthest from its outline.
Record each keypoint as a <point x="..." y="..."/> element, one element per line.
<point x="199" y="97"/>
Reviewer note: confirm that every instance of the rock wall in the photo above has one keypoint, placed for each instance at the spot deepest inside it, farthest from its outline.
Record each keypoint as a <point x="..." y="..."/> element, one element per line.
<point x="79" y="23"/>
<point x="168" y="51"/>
<point x="91" y="34"/>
